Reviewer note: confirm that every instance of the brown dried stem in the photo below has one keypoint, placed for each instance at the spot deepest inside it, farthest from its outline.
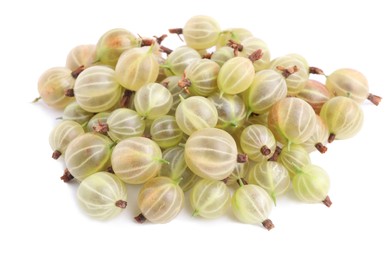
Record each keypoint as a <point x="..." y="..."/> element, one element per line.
<point x="67" y="176"/>
<point x="160" y="39"/>
<point x="77" y="71"/>
<point x="331" y="138"/>
<point x="256" y="55"/>
<point x="374" y="99"/>
<point x="327" y="201"/>
<point x="275" y="156"/>
<point x="184" y="83"/>
<point x="56" y="154"/>
<point x="242" y="158"/>
<point x="321" y="148"/>
<point x="265" y="150"/>
<point x="140" y="218"/>
<point x="121" y="204"/>
<point x="315" y="70"/>
<point x="101" y="128"/>
<point x="207" y="55"/>
<point x="177" y="31"/>
<point x="69" y="92"/>
<point x="126" y="98"/>
<point x="286" y="72"/>
<point x="165" y="50"/>
<point x="237" y="47"/>
<point x="268" y="224"/>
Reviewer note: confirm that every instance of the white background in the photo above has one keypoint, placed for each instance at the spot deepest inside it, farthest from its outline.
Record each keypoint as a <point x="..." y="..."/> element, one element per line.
<point x="40" y="218"/>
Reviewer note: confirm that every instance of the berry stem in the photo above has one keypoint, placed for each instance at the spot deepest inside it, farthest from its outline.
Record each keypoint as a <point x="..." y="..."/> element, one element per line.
<point x="242" y="182"/>
<point x="146" y="42"/>
<point x="67" y="176"/>
<point x="235" y="46"/>
<point x="286" y="72"/>
<point x="160" y="39"/>
<point x="315" y="70"/>
<point x="77" y="71"/>
<point x="242" y="158"/>
<point x="374" y="99"/>
<point x="207" y="55"/>
<point x="321" y="148"/>
<point x="327" y="201"/>
<point x="56" y="154"/>
<point x="256" y="55"/>
<point x="165" y="50"/>
<point x="36" y="100"/>
<point x="268" y="224"/>
<point x="140" y="218"/>
<point x="69" y="92"/>
<point x="121" y="204"/>
<point x="265" y="150"/>
<point x="177" y="31"/>
<point x="275" y="156"/>
<point x="101" y="128"/>
<point x="331" y="138"/>
<point x="126" y="98"/>
<point x="184" y="83"/>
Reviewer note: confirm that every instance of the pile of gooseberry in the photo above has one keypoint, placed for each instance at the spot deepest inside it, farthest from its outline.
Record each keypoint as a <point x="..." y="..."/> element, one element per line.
<point x="215" y="117"/>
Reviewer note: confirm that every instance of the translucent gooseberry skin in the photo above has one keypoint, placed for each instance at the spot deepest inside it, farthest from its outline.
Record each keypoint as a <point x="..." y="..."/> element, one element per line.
<point x="253" y="44"/>
<point x="231" y="111"/>
<point x="96" y="89"/>
<point x="291" y="120"/>
<point x="223" y="54"/>
<point x="294" y="158"/>
<point x="235" y="75"/>
<point x="124" y="123"/>
<point x="171" y="83"/>
<point x="75" y="112"/>
<point x="194" y="113"/>
<point x="177" y="168"/>
<point x="211" y="153"/>
<point x="254" y="139"/>
<point x="297" y="80"/>
<point x="343" y="117"/>
<point x="201" y="32"/>
<point x="209" y="198"/>
<point x="319" y="136"/>
<point x="202" y="76"/>
<point x="136" y="160"/>
<point x="312" y="184"/>
<point x="96" y="120"/>
<point x="87" y="154"/>
<point x="348" y="83"/>
<point x="316" y="94"/>
<point x="251" y="204"/>
<point x="240" y="171"/>
<point x="113" y="43"/>
<point x="178" y="60"/>
<point x="235" y="34"/>
<point x="81" y="55"/>
<point x="160" y="200"/>
<point x="62" y="134"/>
<point x="153" y="100"/>
<point x="267" y="88"/>
<point x="137" y="67"/>
<point x="165" y="131"/>
<point x="53" y="84"/>
<point x="99" y="195"/>
<point x="271" y="176"/>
